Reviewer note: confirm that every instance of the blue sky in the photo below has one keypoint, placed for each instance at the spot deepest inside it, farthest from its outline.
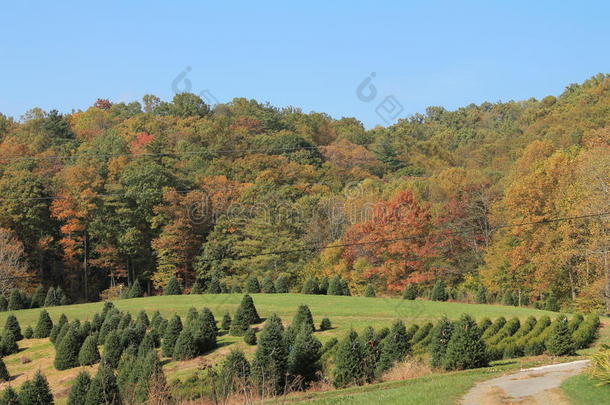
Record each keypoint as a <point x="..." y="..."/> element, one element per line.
<point x="311" y="55"/>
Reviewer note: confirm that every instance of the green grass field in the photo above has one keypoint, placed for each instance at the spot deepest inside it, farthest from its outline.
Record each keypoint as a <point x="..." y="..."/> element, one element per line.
<point x="582" y="390"/>
<point x="344" y="312"/>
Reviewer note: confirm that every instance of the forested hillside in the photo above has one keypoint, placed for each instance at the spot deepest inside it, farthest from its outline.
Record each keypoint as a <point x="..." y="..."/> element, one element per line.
<point x="152" y="189"/>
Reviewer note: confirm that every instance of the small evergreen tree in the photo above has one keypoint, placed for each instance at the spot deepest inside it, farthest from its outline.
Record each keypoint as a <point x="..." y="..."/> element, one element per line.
<point x="136" y="290"/>
<point x="36" y="392"/>
<point x="325" y="324"/>
<point x="50" y="298"/>
<point x="310" y="286"/>
<point x="409" y="293"/>
<point x="143" y="319"/>
<point x="551" y="304"/>
<point x="17" y="300"/>
<point x="12" y="325"/>
<point x="323" y="286"/>
<point x="395" y="347"/>
<point x="185" y="347"/>
<point x="78" y="392"/>
<point x="4" y="375"/>
<point x="250" y="337"/>
<point x="38" y="298"/>
<point x="28" y="332"/>
<point x="172" y="332"/>
<point x="113" y="349"/>
<point x="43" y="326"/>
<point x="334" y="286"/>
<point x="205" y="331"/>
<point x="349" y="362"/>
<point x="281" y="284"/>
<point x="270" y="359"/>
<point x="173" y="287"/>
<point x="441" y="335"/>
<point x="89" y="354"/>
<point x="214" y="286"/>
<point x="151" y="375"/>
<point x="370" y="291"/>
<point x="304" y="356"/>
<point x="226" y="321"/>
<point x="508" y="298"/>
<point x="344" y="287"/>
<point x="268" y="287"/>
<point x="465" y="349"/>
<point x="66" y="355"/>
<point x="559" y="341"/>
<point x="235" y="369"/>
<point x="103" y="388"/>
<point x="196" y="289"/>
<point x="438" y="291"/>
<point x="10" y="397"/>
<point x="252" y="285"/>
<point x="3" y="303"/>
<point x="8" y="345"/>
<point x="481" y="297"/>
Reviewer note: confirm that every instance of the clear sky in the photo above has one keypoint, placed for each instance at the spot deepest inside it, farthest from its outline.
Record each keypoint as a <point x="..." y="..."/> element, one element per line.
<point x="313" y="55"/>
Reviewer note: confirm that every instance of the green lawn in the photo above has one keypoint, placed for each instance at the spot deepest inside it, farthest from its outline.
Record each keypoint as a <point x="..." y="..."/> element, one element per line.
<point x="582" y="390"/>
<point x="344" y="312"/>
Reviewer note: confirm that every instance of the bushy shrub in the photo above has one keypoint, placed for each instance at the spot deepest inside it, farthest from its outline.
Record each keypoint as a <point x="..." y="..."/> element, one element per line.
<point x="586" y="332"/>
<point x="494" y="328"/>
<point x="421" y="333"/>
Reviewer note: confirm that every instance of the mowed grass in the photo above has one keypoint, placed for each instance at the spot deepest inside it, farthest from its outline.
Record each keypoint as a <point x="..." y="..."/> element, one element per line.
<point x="344" y="312"/>
<point x="582" y="390"/>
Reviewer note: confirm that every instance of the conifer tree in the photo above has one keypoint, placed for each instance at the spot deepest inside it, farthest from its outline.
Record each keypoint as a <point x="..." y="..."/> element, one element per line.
<point x="252" y="285"/>
<point x="173" y="287"/>
<point x="334" y="286"/>
<point x="310" y="286"/>
<point x="191" y="317"/>
<point x="344" y="287"/>
<point x="441" y="335"/>
<point x="185" y="347"/>
<point x="250" y="337"/>
<point x="214" y="286"/>
<point x="50" y="298"/>
<point x="112" y="349"/>
<point x="481" y="297"/>
<point x="89" y="353"/>
<point x="17" y="300"/>
<point x="304" y="356"/>
<point x="281" y="284"/>
<point x="3" y="303"/>
<point x="66" y="355"/>
<point x="371" y="343"/>
<point x="28" y="332"/>
<point x="172" y="331"/>
<point x="103" y="389"/>
<point x="151" y="375"/>
<point x="143" y="319"/>
<point x="8" y="345"/>
<point x="10" y="397"/>
<point x="226" y="321"/>
<point x="370" y="291"/>
<point x="4" y="375"/>
<point x="325" y="324"/>
<point x="409" y="293"/>
<point x="245" y="316"/>
<point x="12" y="325"/>
<point x="349" y="362"/>
<point x="438" y="291"/>
<point x="302" y="317"/>
<point x="43" y="326"/>
<point x="466" y="349"/>
<point x="235" y="369"/>
<point x="136" y="290"/>
<point x="37" y="393"/>
<point x="268" y="287"/>
<point x="78" y="392"/>
<point x="207" y="331"/>
<point x="270" y="359"/>
<point x="395" y="347"/>
<point x="196" y="289"/>
<point x="559" y="341"/>
<point x="323" y="286"/>
<point x="38" y="297"/>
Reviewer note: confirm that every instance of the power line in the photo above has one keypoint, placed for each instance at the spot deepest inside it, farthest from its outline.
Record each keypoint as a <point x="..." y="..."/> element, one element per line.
<point x="469" y="230"/>
<point x="59" y="197"/>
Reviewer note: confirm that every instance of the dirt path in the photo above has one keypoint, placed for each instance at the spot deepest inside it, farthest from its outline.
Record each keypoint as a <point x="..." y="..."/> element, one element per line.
<point x="532" y="386"/>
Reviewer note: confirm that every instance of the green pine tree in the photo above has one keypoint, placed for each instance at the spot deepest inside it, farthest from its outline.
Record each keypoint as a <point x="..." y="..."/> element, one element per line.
<point x="226" y="321"/>
<point x="349" y="362"/>
<point x="136" y="290"/>
<point x="466" y="349"/>
<point x="214" y="286"/>
<point x="78" y="392"/>
<point x="103" y="389"/>
<point x="8" y="345"/>
<point x="270" y="359"/>
<point x="325" y="324"/>
<point x="150" y="375"/>
<point x="559" y="341"/>
<point x="173" y="287"/>
<point x="41" y="393"/>
<point x="235" y="370"/>
<point x="4" y="375"/>
<point x="50" y="298"/>
<point x="196" y="289"/>
<point x="310" y="286"/>
<point x="281" y="284"/>
<point x="409" y="293"/>
<point x="323" y="286"/>
<point x="438" y="291"/>
<point x="304" y="356"/>
<point x="28" y="332"/>
<point x="12" y="325"/>
<point x="38" y="297"/>
<point x="395" y="347"/>
<point x="481" y="297"/>
<point x="89" y="353"/>
<point x="441" y="335"/>
<point x="43" y="326"/>
<point x="252" y="285"/>
<point x="10" y="397"/>
<point x="268" y="287"/>
<point x="172" y="331"/>
<point x="334" y="286"/>
<point x="113" y="348"/>
<point x="185" y="347"/>
<point x="66" y="355"/>
<point x="370" y="291"/>
<point x="250" y="337"/>
<point x="3" y="303"/>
